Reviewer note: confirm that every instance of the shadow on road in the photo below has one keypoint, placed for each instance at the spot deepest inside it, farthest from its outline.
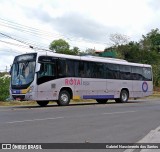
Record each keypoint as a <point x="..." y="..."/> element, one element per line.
<point x="74" y="105"/>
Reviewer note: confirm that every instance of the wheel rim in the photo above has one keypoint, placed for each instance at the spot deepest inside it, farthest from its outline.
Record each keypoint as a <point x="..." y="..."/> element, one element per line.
<point x="124" y="97"/>
<point x="64" y="98"/>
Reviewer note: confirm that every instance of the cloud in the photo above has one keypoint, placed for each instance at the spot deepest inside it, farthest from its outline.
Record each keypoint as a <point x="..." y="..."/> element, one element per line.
<point x="155" y="5"/>
<point x="75" y="25"/>
<point x="6" y="60"/>
<point x="79" y="26"/>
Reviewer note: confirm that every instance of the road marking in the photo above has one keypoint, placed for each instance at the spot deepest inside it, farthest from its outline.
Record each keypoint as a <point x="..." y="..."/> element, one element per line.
<point x="117" y="112"/>
<point x="151" y="137"/>
<point x="5" y="110"/>
<point x="32" y="120"/>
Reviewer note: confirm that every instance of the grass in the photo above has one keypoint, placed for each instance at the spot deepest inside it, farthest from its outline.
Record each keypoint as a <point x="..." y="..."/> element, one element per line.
<point x="33" y="103"/>
<point x="155" y="95"/>
<point x="17" y="103"/>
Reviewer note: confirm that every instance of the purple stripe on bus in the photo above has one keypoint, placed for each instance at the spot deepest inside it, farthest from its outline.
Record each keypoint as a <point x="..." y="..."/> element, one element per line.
<point x="98" y="96"/>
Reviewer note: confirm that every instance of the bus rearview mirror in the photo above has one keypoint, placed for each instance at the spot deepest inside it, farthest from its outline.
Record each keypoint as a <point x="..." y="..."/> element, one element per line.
<point x="38" y="65"/>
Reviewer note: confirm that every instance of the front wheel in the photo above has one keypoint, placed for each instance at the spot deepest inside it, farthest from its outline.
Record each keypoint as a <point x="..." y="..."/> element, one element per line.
<point x="64" y="98"/>
<point x="42" y="103"/>
<point x="102" y="101"/>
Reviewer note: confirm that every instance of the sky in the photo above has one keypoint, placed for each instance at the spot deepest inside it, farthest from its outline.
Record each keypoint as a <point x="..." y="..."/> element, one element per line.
<point x="82" y="23"/>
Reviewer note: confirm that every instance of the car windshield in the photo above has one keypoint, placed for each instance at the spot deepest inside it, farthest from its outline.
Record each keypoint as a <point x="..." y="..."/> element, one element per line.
<point x="23" y="72"/>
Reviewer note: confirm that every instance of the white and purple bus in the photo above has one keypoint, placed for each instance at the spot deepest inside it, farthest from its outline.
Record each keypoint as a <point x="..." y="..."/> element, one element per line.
<point x="47" y="76"/>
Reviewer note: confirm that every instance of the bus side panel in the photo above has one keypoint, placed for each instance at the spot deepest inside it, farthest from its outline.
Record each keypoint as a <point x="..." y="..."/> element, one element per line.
<point x="47" y="91"/>
<point x="147" y="88"/>
<point x="94" y="89"/>
<point x="78" y="89"/>
<point x="114" y="87"/>
<point x="137" y="88"/>
<point x="72" y="83"/>
<point x="31" y="92"/>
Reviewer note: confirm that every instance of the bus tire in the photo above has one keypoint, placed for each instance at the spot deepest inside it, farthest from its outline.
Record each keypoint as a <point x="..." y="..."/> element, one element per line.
<point x="102" y="101"/>
<point x="64" y="98"/>
<point x="124" y="95"/>
<point x="42" y="103"/>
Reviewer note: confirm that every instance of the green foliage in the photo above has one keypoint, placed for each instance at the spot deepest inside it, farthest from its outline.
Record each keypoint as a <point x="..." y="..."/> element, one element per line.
<point x="74" y="51"/>
<point x="118" y="39"/>
<point x="88" y="51"/>
<point x="4" y="88"/>
<point x="156" y="74"/>
<point x="151" y="41"/>
<point x="61" y="46"/>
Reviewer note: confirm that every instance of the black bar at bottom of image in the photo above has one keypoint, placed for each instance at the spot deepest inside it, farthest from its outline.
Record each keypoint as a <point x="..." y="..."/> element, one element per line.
<point x="80" y="146"/>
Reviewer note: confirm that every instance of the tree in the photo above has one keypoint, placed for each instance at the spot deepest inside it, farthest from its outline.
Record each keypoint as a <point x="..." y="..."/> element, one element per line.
<point x="151" y="42"/>
<point x="130" y="52"/>
<point x="60" y="46"/>
<point x="4" y="88"/>
<point x="88" y="51"/>
<point x="63" y="47"/>
<point x="75" y="51"/>
<point x="156" y="75"/>
<point x="118" y="39"/>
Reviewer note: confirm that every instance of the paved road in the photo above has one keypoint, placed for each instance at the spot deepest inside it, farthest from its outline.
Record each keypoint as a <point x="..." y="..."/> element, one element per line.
<point x="94" y="123"/>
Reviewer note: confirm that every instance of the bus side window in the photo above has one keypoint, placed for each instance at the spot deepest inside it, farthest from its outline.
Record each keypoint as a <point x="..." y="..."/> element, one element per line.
<point x="76" y="68"/>
<point x="137" y="73"/>
<point x="87" y="69"/>
<point x="147" y="74"/>
<point x="81" y="69"/>
<point x="61" y="68"/>
<point x="125" y="72"/>
<point x="70" y="68"/>
<point x="47" y="69"/>
<point x="112" y="71"/>
<point x="99" y="70"/>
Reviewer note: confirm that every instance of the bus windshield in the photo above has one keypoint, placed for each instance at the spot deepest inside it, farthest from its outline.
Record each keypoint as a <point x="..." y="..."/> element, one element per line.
<point x="23" y="72"/>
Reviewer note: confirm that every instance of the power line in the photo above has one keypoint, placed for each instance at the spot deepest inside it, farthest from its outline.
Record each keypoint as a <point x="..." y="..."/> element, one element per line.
<point x="23" y="42"/>
<point x="32" y="44"/>
<point x="31" y="30"/>
<point x="10" y="43"/>
<point x="15" y="39"/>
<point x="28" y="27"/>
<point x="45" y="33"/>
<point x="22" y="29"/>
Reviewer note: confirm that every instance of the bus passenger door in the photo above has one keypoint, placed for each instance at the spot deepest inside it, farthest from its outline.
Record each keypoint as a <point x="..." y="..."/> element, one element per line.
<point x="45" y="78"/>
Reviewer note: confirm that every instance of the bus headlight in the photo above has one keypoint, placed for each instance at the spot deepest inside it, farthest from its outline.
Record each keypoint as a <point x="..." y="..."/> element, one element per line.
<point x="30" y="89"/>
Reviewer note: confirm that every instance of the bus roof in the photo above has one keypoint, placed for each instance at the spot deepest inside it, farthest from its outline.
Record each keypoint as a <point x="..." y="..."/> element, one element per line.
<point x="92" y="58"/>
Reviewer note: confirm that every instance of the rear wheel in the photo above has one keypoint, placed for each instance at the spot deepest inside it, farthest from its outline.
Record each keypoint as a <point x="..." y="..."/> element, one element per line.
<point x="123" y="97"/>
<point x="102" y="101"/>
<point x="42" y="103"/>
<point x="64" y="98"/>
